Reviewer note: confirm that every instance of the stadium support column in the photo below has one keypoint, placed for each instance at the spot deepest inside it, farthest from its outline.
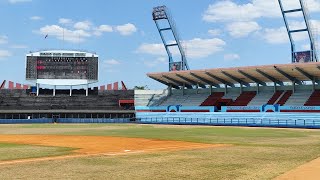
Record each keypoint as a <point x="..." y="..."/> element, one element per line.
<point x="54" y="90"/>
<point x="274" y="87"/>
<point x="257" y="88"/>
<point x="183" y="87"/>
<point x="240" y="88"/>
<point x="313" y="84"/>
<point x="37" y="84"/>
<point x="210" y="89"/>
<point x="87" y="90"/>
<point x="293" y="87"/>
<point x="170" y="90"/>
<point x="225" y="89"/>
<point x="70" y="90"/>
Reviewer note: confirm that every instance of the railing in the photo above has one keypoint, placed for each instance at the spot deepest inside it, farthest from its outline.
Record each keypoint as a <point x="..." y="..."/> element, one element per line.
<point x="253" y="122"/>
<point x="66" y="120"/>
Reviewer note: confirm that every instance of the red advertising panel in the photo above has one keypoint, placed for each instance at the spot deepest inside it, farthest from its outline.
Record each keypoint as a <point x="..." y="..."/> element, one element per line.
<point x="116" y="86"/>
<point x="11" y="86"/>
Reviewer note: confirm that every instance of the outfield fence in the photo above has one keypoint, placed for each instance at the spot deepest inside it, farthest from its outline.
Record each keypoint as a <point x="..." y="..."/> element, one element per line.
<point x="66" y="120"/>
<point x="288" y="120"/>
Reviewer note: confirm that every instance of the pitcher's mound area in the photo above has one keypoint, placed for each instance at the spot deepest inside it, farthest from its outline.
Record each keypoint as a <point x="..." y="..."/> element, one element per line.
<point x="99" y="145"/>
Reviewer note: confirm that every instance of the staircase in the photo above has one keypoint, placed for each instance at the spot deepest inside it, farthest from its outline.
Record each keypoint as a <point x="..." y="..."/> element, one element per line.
<point x="275" y="97"/>
<point x="284" y="98"/>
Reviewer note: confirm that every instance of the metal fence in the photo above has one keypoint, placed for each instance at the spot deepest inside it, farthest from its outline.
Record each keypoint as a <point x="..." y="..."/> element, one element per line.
<point x="67" y="120"/>
<point x="252" y="122"/>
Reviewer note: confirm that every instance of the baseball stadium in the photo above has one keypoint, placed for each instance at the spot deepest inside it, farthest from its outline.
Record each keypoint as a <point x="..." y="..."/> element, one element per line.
<point x="246" y="122"/>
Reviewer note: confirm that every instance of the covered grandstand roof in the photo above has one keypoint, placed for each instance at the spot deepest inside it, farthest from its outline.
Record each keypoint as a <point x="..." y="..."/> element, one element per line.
<point x="278" y="73"/>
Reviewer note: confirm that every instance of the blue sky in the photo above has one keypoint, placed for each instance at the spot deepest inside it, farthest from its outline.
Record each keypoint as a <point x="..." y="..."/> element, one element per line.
<point x="215" y="33"/>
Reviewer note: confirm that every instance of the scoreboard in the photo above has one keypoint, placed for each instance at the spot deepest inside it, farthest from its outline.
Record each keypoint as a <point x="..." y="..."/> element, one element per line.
<point x="66" y="65"/>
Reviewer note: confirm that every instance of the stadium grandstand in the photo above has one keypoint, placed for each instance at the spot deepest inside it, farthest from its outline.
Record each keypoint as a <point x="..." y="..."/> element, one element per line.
<point x="280" y="95"/>
<point x="253" y="91"/>
<point x="49" y="101"/>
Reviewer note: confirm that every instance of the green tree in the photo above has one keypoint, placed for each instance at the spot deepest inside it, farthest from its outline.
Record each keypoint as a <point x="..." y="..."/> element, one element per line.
<point x="140" y="87"/>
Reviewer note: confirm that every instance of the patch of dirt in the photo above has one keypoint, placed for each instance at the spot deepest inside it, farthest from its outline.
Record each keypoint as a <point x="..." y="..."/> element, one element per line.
<point x="98" y="145"/>
<point x="308" y="171"/>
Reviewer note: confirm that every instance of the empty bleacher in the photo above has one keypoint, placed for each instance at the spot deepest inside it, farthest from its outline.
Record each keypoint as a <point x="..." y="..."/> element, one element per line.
<point x="249" y="97"/>
<point x="298" y="98"/>
<point x="213" y="99"/>
<point x="261" y="98"/>
<point x="275" y="97"/>
<point x="284" y="97"/>
<point x="314" y="99"/>
<point x="20" y="99"/>
<point x="231" y="95"/>
<point x="149" y="97"/>
<point x="244" y="98"/>
<point x="184" y="100"/>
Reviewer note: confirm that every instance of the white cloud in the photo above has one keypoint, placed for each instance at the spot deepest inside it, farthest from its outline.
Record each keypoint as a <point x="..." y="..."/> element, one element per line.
<point x="19" y="1"/>
<point x="76" y="32"/>
<point x="156" y="62"/>
<point x="315" y="26"/>
<point x="83" y="25"/>
<point x="36" y="18"/>
<point x="74" y="36"/>
<point x="4" y="54"/>
<point x="126" y="29"/>
<point x="275" y="36"/>
<point x="3" y="39"/>
<point x="312" y="5"/>
<point x="280" y="35"/>
<point x="153" y="49"/>
<point x="231" y="57"/>
<point x="65" y="21"/>
<point x="201" y="48"/>
<point x="242" y="29"/>
<point x="105" y="28"/>
<point x="18" y="46"/>
<point x="214" y="32"/>
<point x="229" y="10"/>
<point x="196" y="48"/>
<point x="111" y="62"/>
<point x="102" y="28"/>
<point x="305" y="47"/>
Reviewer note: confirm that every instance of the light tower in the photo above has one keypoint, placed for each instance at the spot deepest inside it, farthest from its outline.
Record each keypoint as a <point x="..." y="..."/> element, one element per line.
<point x="161" y="13"/>
<point x="298" y="56"/>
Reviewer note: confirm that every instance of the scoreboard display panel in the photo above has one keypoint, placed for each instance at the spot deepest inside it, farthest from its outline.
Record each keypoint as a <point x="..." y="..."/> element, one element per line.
<point x="62" y="68"/>
<point x="44" y="67"/>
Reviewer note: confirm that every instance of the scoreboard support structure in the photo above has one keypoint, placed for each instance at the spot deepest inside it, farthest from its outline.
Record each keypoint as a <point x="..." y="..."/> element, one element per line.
<point x="38" y="86"/>
<point x="55" y="87"/>
<point x="54" y="90"/>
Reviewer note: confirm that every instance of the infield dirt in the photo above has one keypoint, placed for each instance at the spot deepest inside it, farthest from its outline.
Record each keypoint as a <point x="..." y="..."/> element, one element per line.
<point x="98" y="145"/>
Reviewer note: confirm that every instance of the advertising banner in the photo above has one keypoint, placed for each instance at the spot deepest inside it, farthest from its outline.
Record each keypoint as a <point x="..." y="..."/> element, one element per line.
<point x="175" y="66"/>
<point x="302" y="57"/>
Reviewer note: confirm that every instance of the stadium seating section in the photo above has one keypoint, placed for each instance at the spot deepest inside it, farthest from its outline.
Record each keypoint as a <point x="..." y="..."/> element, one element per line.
<point x="314" y="99"/>
<point x="275" y="97"/>
<point x="102" y="100"/>
<point x="303" y="96"/>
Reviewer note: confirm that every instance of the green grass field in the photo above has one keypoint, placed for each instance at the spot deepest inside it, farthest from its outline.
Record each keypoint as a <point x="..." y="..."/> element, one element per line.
<point x="257" y="153"/>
